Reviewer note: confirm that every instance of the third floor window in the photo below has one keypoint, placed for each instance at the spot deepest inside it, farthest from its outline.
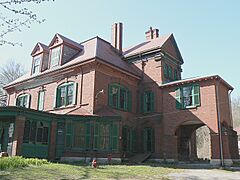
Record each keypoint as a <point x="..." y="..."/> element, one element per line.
<point x="55" y="56"/>
<point x="36" y="64"/>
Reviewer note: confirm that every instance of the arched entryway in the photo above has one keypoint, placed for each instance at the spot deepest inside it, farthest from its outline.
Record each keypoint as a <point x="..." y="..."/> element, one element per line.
<point x="189" y="139"/>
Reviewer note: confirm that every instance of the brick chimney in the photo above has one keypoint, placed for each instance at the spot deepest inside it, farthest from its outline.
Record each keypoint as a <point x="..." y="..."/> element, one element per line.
<point x="117" y="36"/>
<point x="152" y="34"/>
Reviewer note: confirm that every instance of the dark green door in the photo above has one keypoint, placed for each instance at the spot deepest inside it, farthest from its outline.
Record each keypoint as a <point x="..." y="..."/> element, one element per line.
<point x="4" y="136"/>
<point x="148" y="140"/>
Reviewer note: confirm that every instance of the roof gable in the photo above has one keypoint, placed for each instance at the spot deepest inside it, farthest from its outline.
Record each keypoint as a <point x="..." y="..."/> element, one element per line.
<point x="39" y="48"/>
<point x="170" y="46"/>
<point x="60" y="39"/>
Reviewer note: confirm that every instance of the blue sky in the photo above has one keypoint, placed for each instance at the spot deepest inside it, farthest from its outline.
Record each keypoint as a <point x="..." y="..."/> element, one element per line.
<point x="207" y="32"/>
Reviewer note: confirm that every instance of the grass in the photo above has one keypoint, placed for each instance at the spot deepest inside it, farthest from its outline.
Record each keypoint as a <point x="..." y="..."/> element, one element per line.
<point x="78" y="171"/>
<point x="17" y="161"/>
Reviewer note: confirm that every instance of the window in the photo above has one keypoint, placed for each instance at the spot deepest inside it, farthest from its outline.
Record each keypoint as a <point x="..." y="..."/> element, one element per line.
<point x="148" y="102"/>
<point x="119" y="97"/>
<point x="55" y="56"/>
<point x="104" y="135"/>
<point x="165" y="70"/>
<point x="23" y="101"/>
<point x="41" y="95"/>
<point x="36" y="64"/>
<point x="188" y="96"/>
<point x="170" y="72"/>
<point x="36" y="132"/>
<point x="176" y="74"/>
<point x="66" y="94"/>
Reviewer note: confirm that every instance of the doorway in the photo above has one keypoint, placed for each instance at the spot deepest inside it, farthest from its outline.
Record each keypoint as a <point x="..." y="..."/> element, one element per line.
<point x="148" y="140"/>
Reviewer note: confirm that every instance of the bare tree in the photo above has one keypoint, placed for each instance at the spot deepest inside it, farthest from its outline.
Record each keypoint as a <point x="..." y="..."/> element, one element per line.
<point x="8" y="73"/>
<point x="236" y="111"/>
<point x="16" y="17"/>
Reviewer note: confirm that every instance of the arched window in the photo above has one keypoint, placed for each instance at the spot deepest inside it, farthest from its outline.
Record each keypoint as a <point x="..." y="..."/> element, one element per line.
<point x="66" y="94"/>
<point x="119" y="97"/>
<point x="23" y="100"/>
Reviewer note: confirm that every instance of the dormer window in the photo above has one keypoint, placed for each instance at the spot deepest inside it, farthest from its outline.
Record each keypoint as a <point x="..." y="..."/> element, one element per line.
<point x="36" y="64"/>
<point x="40" y="58"/>
<point x="55" y="56"/>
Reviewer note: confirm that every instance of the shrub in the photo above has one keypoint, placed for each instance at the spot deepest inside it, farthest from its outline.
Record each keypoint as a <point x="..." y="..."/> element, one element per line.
<point x="18" y="161"/>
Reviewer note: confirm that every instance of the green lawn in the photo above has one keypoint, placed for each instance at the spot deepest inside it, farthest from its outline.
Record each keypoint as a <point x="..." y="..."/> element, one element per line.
<point x="66" y="171"/>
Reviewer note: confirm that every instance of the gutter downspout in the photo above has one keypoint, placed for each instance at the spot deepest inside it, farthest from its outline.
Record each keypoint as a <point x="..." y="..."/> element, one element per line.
<point x="219" y="128"/>
<point x="230" y="106"/>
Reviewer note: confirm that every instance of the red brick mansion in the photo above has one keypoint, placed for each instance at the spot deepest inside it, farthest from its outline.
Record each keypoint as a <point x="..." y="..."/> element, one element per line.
<point x="95" y="99"/>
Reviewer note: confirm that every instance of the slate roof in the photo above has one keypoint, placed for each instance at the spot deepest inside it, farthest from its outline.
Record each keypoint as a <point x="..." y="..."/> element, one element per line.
<point x="92" y="48"/>
<point x="146" y="46"/>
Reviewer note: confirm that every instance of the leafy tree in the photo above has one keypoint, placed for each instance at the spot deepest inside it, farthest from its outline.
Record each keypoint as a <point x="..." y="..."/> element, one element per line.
<point x="236" y="111"/>
<point x="15" y="16"/>
<point x="8" y="73"/>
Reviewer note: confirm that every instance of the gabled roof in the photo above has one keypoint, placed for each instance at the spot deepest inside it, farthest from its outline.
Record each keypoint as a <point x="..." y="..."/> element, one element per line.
<point x="41" y="46"/>
<point x="93" y="48"/>
<point x="64" y="40"/>
<point x="151" y="45"/>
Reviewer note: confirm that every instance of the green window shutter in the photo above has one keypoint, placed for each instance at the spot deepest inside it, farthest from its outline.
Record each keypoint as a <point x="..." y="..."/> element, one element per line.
<point x="96" y="135"/>
<point x="88" y="135"/>
<point x="75" y="87"/>
<point x="142" y="103"/>
<point x="196" y="95"/>
<point x="178" y="98"/>
<point x="170" y="72"/>
<point x="115" y="137"/>
<point x="28" y="96"/>
<point x="69" y="134"/>
<point x="152" y="101"/>
<point x="145" y="96"/>
<point x="165" y="70"/>
<point x="175" y="74"/>
<point x="129" y="99"/>
<point x="110" y="95"/>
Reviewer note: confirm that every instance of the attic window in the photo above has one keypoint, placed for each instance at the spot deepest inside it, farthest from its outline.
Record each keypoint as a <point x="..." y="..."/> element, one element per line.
<point x="36" y="64"/>
<point x="55" y="56"/>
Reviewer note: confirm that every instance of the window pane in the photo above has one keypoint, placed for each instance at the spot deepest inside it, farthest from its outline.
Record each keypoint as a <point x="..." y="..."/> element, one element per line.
<point x="79" y="135"/>
<point x="122" y="98"/>
<point x="104" y="136"/>
<point x="45" y="135"/>
<point x="36" y="64"/>
<point x="62" y="95"/>
<point x="187" y="96"/>
<point x="55" y="56"/>
<point x="114" y="97"/>
<point x="41" y="100"/>
<point x="70" y="94"/>
<point x="33" y="131"/>
<point x="22" y="101"/>
<point x="26" y="132"/>
<point x="39" y="134"/>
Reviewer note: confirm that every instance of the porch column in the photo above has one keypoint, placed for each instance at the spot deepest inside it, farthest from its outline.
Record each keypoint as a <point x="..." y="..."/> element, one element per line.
<point x="52" y="141"/>
<point x="18" y="135"/>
